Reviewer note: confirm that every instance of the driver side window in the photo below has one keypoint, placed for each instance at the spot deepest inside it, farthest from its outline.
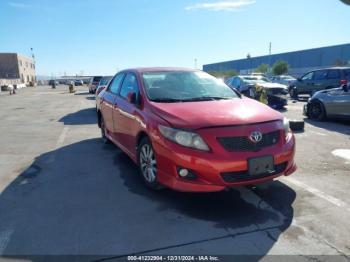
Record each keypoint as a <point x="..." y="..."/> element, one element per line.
<point x="129" y="85"/>
<point x="114" y="86"/>
<point x="308" y="76"/>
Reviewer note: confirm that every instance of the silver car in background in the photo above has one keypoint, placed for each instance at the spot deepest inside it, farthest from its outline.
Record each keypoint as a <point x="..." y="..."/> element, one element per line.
<point x="246" y="84"/>
<point x="283" y="79"/>
<point x="331" y="103"/>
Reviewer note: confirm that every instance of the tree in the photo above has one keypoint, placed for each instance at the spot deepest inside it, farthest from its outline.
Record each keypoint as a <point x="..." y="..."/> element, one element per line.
<point x="280" y="67"/>
<point x="263" y="68"/>
<point x="340" y="62"/>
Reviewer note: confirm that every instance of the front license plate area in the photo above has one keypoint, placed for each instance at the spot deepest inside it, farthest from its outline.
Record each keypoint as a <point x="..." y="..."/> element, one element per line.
<point x="261" y="165"/>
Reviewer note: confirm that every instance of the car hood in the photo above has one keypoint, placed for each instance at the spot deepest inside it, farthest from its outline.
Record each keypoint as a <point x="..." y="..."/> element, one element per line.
<point x="272" y="85"/>
<point x="195" y="115"/>
<point x="320" y="93"/>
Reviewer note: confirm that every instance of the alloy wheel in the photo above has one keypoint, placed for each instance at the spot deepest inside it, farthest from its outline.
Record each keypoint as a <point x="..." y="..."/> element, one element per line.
<point x="148" y="163"/>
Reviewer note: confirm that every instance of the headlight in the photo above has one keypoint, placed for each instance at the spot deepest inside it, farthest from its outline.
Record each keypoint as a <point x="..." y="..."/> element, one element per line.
<point x="184" y="138"/>
<point x="286" y="126"/>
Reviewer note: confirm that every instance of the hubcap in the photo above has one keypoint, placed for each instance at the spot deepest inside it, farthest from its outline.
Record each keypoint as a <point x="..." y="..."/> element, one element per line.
<point x="315" y="111"/>
<point x="148" y="163"/>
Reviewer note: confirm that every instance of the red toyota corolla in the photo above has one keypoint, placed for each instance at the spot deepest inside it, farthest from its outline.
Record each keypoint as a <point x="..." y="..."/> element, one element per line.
<point x="189" y="131"/>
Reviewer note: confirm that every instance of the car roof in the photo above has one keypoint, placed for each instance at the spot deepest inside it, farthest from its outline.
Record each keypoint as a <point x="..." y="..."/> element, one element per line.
<point x="334" y="67"/>
<point x="159" y="69"/>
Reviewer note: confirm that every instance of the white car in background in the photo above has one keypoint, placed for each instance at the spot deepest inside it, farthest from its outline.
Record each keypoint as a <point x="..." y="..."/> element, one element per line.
<point x="283" y="79"/>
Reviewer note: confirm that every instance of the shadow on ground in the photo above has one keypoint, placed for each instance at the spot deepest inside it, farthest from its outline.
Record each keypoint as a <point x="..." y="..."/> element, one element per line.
<point x="85" y="116"/>
<point x="333" y="125"/>
<point x="87" y="198"/>
<point x="82" y="93"/>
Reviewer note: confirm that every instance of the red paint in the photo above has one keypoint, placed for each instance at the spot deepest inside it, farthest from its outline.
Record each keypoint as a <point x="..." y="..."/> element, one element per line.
<point x="209" y="119"/>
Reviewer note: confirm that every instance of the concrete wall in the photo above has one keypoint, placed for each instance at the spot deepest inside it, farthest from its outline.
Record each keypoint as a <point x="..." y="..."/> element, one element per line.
<point x="26" y="69"/>
<point x="9" y="66"/>
<point x="15" y="66"/>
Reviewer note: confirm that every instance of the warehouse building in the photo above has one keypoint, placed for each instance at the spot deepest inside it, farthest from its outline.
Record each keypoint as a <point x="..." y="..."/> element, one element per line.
<point x="17" y="69"/>
<point x="299" y="61"/>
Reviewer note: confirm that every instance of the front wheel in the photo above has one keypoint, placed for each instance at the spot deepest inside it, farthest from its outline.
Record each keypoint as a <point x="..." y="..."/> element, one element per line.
<point x="148" y="164"/>
<point x="104" y="131"/>
<point x="294" y="94"/>
<point x="316" y="111"/>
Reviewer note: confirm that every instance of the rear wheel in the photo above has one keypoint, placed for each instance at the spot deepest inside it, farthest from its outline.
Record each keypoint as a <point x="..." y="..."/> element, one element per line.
<point x="294" y="93"/>
<point x="316" y="111"/>
<point x="104" y="131"/>
<point x="148" y="164"/>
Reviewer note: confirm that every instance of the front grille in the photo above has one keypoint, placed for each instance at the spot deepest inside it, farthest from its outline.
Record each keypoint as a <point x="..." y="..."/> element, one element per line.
<point x="231" y="177"/>
<point x="243" y="143"/>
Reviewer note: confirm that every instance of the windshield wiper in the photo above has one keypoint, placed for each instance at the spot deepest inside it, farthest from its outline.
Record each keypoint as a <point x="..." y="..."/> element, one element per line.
<point x="207" y="98"/>
<point x="166" y="100"/>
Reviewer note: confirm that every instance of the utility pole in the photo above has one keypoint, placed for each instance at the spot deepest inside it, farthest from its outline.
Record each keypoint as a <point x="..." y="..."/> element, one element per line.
<point x="270" y="52"/>
<point x="33" y="56"/>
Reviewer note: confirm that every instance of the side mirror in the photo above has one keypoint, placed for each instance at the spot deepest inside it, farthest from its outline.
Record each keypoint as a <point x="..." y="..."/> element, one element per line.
<point x="131" y="97"/>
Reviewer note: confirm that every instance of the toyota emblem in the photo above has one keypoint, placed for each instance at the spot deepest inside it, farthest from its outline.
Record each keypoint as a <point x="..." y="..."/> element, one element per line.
<point x="255" y="137"/>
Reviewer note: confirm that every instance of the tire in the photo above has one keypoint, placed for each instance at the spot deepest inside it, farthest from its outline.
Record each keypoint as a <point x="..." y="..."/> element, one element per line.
<point x="316" y="111"/>
<point x="147" y="164"/>
<point x="294" y="94"/>
<point x="103" y="132"/>
<point x="297" y="125"/>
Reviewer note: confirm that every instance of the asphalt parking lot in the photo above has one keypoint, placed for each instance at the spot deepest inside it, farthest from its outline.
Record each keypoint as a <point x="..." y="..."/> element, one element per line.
<point x="64" y="192"/>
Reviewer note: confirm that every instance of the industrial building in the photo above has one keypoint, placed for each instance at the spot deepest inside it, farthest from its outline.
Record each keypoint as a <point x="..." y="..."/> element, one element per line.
<point x="299" y="61"/>
<point x="16" y="69"/>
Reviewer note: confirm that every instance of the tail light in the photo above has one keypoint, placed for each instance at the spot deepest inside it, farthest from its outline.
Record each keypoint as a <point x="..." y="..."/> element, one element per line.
<point x="343" y="82"/>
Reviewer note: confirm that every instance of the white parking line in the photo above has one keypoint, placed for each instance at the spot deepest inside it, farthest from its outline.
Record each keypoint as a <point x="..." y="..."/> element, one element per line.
<point x="318" y="133"/>
<point x="5" y="237"/>
<point x="343" y="153"/>
<point x="319" y="193"/>
<point x="62" y="136"/>
<point x="59" y="142"/>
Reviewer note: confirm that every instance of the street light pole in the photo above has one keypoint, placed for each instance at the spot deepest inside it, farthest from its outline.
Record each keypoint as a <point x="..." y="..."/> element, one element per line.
<point x="270" y="52"/>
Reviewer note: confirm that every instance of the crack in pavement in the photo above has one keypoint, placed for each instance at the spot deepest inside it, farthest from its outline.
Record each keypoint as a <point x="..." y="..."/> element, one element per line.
<point x="186" y="244"/>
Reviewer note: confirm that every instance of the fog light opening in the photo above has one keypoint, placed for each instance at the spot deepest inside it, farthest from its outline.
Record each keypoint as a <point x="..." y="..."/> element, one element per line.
<point x="186" y="173"/>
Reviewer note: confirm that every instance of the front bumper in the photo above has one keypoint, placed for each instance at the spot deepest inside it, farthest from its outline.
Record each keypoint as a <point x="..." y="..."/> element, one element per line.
<point x="211" y="168"/>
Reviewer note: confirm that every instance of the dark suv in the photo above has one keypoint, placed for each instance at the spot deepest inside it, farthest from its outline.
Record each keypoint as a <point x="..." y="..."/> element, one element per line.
<point x="319" y="80"/>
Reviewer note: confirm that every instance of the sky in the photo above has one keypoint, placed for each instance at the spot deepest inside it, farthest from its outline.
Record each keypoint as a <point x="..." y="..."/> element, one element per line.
<point x="100" y="37"/>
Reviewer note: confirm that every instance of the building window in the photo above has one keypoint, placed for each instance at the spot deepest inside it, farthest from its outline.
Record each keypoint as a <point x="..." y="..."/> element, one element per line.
<point x="26" y="64"/>
<point x="20" y="62"/>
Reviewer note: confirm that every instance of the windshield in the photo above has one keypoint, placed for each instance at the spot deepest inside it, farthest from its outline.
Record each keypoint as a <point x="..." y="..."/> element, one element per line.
<point x="185" y="86"/>
<point x="97" y="79"/>
<point x="104" y="81"/>
<point x="287" y="78"/>
<point x="255" y="79"/>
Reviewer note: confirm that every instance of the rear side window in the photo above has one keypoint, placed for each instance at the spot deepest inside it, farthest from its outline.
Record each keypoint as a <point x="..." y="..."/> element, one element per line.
<point x="96" y="79"/>
<point x="129" y="85"/>
<point x="333" y="74"/>
<point x="320" y="75"/>
<point x="114" y="86"/>
<point x="347" y="73"/>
